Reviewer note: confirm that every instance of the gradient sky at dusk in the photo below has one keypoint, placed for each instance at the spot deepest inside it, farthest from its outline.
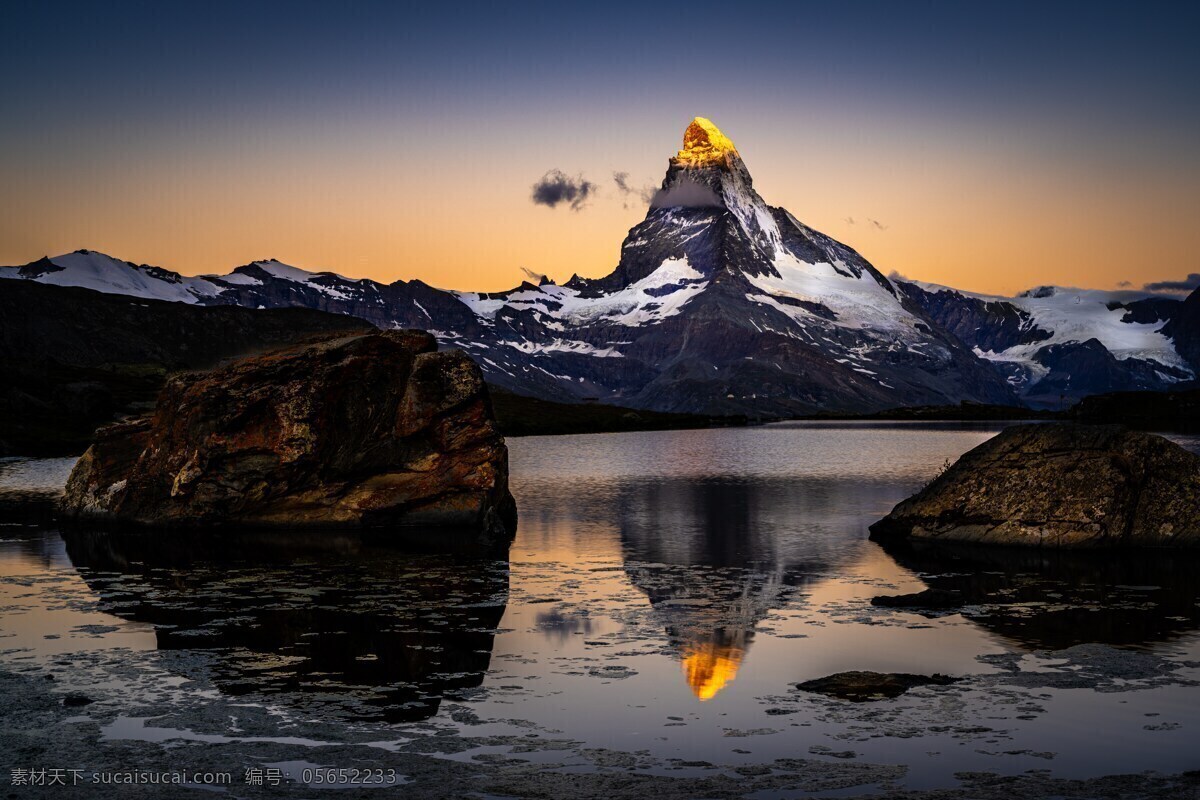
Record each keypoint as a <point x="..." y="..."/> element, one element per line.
<point x="997" y="145"/>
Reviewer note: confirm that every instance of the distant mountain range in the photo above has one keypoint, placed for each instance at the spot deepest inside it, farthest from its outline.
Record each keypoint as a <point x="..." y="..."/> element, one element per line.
<point x="721" y="304"/>
<point x="1055" y="345"/>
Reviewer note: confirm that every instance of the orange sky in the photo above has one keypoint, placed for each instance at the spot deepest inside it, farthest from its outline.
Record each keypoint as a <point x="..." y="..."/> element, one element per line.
<point x="970" y="214"/>
<point x="398" y="141"/>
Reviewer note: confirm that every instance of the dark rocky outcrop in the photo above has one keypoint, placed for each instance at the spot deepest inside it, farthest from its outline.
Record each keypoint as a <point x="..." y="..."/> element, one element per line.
<point x="1177" y="411"/>
<point x="1184" y="329"/>
<point x="1060" y="485"/>
<point x="860" y="687"/>
<point x="1149" y="310"/>
<point x="371" y="430"/>
<point x="1078" y="369"/>
<point x="990" y="325"/>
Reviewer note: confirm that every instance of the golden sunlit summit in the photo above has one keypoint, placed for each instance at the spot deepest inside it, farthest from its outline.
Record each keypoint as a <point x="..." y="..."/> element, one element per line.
<point x="704" y="145"/>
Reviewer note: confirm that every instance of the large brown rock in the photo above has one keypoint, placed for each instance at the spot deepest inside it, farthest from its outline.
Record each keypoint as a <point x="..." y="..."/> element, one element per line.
<point x="365" y="430"/>
<point x="1059" y="485"/>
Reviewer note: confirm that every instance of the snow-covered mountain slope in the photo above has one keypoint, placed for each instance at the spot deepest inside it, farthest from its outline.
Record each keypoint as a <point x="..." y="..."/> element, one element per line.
<point x="721" y="303"/>
<point x="91" y="270"/>
<point x="1057" y="343"/>
<point x="659" y="295"/>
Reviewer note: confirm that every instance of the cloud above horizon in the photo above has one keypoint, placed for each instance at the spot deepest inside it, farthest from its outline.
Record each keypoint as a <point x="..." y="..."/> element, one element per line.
<point x="1188" y="284"/>
<point x="629" y="192"/>
<point x="556" y="187"/>
<point x="874" y="224"/>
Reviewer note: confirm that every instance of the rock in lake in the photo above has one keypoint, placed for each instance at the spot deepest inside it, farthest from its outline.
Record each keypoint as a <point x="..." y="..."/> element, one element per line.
<point x="860" y="687"/>
<point x="366" y="430"/>
<point x="1059" y="485"/>
<point x="929" y="598"/>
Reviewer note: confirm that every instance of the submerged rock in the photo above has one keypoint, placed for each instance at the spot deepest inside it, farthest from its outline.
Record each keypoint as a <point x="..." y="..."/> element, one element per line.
<point x="859" y="687"/>
<point x="368" y="430"/>
<point x="929" y="598"/>
<point x="1059" y="485"/>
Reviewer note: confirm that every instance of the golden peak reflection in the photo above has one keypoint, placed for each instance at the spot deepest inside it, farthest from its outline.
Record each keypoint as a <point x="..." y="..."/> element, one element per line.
<point x="704" y="145"/>
<point x="709" y="666"/>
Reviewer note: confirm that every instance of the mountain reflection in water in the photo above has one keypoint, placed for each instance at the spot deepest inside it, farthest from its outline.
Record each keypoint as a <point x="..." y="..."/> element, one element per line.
<point x="369" y="631"/>
<point x="668" y="590"/>
<point x="708" y="556"/>
<point x="710" y="665"/>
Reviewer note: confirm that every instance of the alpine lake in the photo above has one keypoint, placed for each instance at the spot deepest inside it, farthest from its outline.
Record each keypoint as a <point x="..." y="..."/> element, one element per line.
<point x="644" y="634"/>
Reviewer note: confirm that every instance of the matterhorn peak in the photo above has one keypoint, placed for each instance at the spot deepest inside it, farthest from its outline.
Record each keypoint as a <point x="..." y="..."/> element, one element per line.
<point x="704" y="145"/>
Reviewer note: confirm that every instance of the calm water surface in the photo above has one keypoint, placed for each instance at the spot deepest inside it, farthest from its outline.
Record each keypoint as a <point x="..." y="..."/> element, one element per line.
<point x="664" y="593"/>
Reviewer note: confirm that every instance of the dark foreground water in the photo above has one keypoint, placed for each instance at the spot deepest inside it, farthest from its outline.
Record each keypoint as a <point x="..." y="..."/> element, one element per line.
<point x="664" y="594"/>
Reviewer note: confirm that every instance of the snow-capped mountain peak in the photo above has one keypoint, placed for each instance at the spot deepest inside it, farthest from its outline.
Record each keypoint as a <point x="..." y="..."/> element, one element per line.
<point x="708" y="174"/>
<point x="90" y="269"/>
<point x="713" y="269"/>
